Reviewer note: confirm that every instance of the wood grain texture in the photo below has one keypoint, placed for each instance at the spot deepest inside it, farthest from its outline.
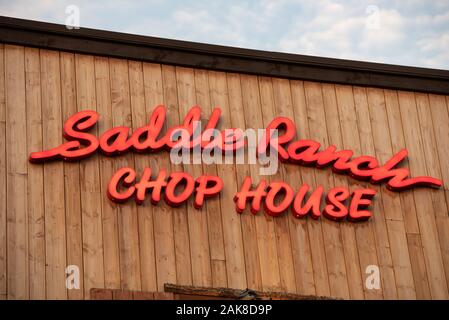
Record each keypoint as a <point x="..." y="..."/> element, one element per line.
<point x="233" y="238"/>
<point x="55" y="233"/>
<point x="390" y="231"/>
<point x="351" y="140"/>
<point x="57" y="214"/>
<point x="73" y="212"/>
<point x="111" y="248"/>
<point x="144" y="214"/>
<point x="16" y="182"/>
<point x="265" y="225"/>
<point x="349" y="243"/>
<point x="213" y="206"/>
<point x="423" y="199"/>
<point x="433" y="131"/>
<point x="3" y="179"/>
<point x="251" y="276"/>
<point x="180" y="222"/>
<point x="164" y="239"/>
<point x="90" y="187"/>
<point x="36" y="211"/>
<point x="333" y="245"/>
<point x="275" y="98"/>
<point x="127" y="215"/>
<point x="197" y="219"/>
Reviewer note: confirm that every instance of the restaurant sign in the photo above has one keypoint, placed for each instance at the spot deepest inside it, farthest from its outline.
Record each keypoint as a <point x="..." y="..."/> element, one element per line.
<point x="276" y="197"/>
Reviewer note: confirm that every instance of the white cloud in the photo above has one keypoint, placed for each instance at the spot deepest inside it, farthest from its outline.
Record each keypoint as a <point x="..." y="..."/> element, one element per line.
<point x="436" y="50"/>
<point x="413" y="32"/>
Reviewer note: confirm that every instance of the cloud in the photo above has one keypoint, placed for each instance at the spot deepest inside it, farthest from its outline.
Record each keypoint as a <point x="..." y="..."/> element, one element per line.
<point x="412" y="32"/>
<point x="435" y="49"/>
<point x="341" y="33"/>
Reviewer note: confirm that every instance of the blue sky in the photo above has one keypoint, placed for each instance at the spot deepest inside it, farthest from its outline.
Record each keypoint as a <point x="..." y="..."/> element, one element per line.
<point x="407" y="32"/>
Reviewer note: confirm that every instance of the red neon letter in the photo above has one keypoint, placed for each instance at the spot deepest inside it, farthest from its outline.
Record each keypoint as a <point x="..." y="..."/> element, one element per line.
<point x="207" y="186"/>
<point x="74" y="129"/>
<point x="266" y="141"/>
<point x="179" y="178"/>
<point x="303" y="152"/>
<point x="245" y="194"/>
<point x="361" y="198"/>
<point x="398" y="177"/>
<point x="128" y="176"/>
<point x="335" y="209"/>
<point x="115" y="141"/>
<point x="146" y="184"/>
<point x="312" y="205"/>
<point x="274" y="188"/>
<point x="151" y="132"/>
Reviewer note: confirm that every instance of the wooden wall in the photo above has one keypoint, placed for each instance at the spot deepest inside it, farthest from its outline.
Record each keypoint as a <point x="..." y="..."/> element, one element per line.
<point x="57" y="214"/>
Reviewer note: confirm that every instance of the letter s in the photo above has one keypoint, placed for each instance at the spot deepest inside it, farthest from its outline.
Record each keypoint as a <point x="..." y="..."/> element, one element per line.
<point x="74" y="129"/>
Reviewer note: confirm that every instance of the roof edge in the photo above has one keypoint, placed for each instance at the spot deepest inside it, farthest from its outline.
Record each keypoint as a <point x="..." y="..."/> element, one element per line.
<point x="221" y="58"/>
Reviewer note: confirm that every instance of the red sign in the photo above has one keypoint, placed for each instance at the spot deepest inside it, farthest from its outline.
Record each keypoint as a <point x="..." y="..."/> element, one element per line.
<point x="150" y="138"/>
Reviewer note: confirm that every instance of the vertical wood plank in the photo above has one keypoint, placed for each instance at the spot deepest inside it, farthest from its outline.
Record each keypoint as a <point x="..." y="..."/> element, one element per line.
<point x="305" y="117"/>
<point x="248" y="223"/>
<point x="72" y="177"/>
<point x="440" y="117"/>
<point x="275" y="101"/>
<point x="197" y="219"/>
<point x="55" y="232"/>
<point x="144" y="212"/>
<point x="331" y="234"/>
<point x="418" y="266"/>
<point x="231" y="221"/>
<point x="16" y="150"/>
<point x="91" y="194"/>
<point x="111" y="247"/>
<point x="302" y="244"/>
<point x="317" y="282"/>
<point x="424" y="104"/>
<point x="164" y="240"/>
<point x="407" y="200"/>
<point x="213" y="205"/>
<point x="443" y="163"/>
<point x="3" y="174"/>
<point x="398" y="143"/>
<point x="348" y="239"/>
<point x="127" y="213"/>
<point x="36" y="213"/>
<point x="180" y="221"/>
<point x="390" y="228"/>
<point x="265" y="227"/>
<point x="351" y="140"/>
<point x="162" y="217"/>
<point x="347" y="230"/>
<point x="439" y="111"/>
<point x="423" y="201"/>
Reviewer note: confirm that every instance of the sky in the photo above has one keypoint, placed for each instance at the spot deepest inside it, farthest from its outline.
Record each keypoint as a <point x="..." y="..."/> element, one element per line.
<point x="405" y="32"/>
